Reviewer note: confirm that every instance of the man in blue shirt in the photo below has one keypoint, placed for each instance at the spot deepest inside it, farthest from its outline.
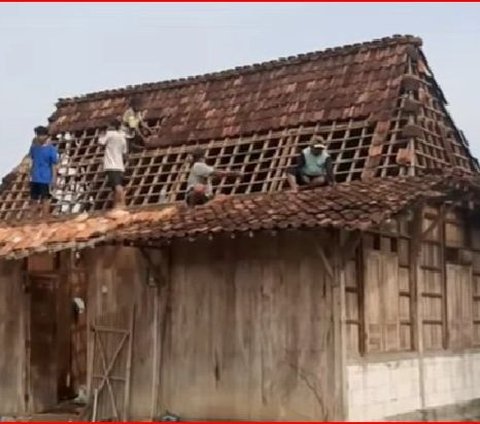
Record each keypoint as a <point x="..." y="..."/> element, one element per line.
<point x="312" y="168"/>
<point x="43" y="173"/>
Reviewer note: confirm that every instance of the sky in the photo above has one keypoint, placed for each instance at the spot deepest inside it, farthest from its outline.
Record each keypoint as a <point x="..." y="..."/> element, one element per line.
<point x="52" y="50"/>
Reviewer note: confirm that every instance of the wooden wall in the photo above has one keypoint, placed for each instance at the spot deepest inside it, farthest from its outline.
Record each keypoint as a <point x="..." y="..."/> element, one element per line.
<point x="12" y="343"/>
<point x="411" y="290"/>
<point x="244" y="329"/>
<point x="117" y="281"/>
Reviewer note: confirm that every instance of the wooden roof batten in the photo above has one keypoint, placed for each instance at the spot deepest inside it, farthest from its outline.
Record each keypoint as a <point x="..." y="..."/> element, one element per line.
<point x="376" y="104"/>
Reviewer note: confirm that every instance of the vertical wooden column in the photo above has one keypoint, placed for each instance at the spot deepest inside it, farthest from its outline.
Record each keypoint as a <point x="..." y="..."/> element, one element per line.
<point x="155" y="353"/>
<point x="27" y="389"/>
<point x="415" y="287"/>
<point x="160" y="269"/>
<point x="441" y="223"/>
<point x="339" y="330"/>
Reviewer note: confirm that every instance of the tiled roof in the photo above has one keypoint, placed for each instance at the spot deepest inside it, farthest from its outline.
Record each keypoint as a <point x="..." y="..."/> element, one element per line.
<point x="355" y="81"/>
<point x="351" y="206"/>
<point x="376" y="104"/>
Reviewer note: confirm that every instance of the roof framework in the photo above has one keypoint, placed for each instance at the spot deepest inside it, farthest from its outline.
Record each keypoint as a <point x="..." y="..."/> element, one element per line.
<point x="363" y="144"/>
<point x="160" y="175"/>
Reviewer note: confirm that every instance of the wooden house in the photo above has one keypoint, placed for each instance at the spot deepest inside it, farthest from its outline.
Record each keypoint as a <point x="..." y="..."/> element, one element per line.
<point x="359" y="301"/>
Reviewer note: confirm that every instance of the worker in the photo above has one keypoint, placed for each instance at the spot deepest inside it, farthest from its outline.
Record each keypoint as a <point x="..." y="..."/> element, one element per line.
<point x="44" y="158"/>
<point x="133" y="123"/>
<point x="313" y="167"/>
<point x="199" y="186"/>
<point x="114" y="161"/>
<point x="132" y="117"/>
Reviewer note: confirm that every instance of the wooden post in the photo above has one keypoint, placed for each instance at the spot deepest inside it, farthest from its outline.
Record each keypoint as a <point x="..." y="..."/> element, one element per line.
<point x="415" y="287"/>
<point x="339" y="327"/>
<point x="27" y="395"/>
<point x="128" y="375"/>
<point x="442" y="217"/>
<point x="95" y="405"/>
<point x="411" y="168"/>
<point x="155" y="371"/>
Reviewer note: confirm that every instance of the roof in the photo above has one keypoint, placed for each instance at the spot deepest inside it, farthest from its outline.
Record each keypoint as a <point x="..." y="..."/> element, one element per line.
<point x="352" y="81"/>
<point x="351" y="206"/>
<point x="376" y="104"/>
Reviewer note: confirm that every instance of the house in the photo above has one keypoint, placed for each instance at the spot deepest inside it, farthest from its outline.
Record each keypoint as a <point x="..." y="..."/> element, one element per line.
<point x="359" y="301"/>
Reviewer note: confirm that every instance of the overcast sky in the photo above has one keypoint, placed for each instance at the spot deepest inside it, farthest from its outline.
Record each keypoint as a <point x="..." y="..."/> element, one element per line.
<point x="49" y="51"/>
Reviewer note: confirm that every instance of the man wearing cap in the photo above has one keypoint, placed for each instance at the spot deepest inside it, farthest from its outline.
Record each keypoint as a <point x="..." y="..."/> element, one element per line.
<point x="313" y="167"/>
<point x="199" y="186"/>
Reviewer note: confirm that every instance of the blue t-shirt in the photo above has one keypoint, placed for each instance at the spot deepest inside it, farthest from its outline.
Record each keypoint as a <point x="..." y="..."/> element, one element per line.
<point x="43" y="158"/>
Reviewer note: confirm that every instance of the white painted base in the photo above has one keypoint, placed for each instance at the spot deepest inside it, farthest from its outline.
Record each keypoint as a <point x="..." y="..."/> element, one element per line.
<point x="378" y="390"/>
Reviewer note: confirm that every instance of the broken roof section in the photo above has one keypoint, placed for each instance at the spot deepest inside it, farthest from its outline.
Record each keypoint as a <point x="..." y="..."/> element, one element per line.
<point x="376" y="104"/>
<point x="351" y="206"/>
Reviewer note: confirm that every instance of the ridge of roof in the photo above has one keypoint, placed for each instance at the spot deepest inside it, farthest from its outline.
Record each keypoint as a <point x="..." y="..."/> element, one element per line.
<point x="240" y="70"/>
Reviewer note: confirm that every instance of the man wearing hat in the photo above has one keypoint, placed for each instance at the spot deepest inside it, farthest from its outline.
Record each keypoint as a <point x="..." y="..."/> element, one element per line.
<point x="199" y="185"/>
<point x="313" y="167"/>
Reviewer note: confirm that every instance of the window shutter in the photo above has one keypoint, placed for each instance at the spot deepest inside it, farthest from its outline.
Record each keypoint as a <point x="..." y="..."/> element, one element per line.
<point x="382" y="323"/>
<point x="459" y="306"/>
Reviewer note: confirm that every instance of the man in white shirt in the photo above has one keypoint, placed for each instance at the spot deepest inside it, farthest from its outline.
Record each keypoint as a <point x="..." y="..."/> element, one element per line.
<point x="113" y="161"/>
<point x="199" y="185"/>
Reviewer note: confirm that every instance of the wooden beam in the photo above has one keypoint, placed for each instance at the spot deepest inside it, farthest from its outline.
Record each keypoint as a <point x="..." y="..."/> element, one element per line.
<point x="349" y="245"/>
<point x="443" y="266"/>
<point x="415" y="249"/>
<point x="323" y="257"/>
<point x="440" y="218"/>
<point x="128" y="371"/>
<point x="155" y="350"/>
<point x="159" y="272"/>
<point x="415" y="246"/>
<point x="339" y="332"/>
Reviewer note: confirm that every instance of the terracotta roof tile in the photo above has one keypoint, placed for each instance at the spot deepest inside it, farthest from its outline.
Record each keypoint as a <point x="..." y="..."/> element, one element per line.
<point x="339" y="83"/>
<point x="351" y="206"/>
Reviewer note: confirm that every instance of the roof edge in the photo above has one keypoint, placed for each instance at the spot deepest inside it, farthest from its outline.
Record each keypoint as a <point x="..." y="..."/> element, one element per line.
<point x="241" y="70"/>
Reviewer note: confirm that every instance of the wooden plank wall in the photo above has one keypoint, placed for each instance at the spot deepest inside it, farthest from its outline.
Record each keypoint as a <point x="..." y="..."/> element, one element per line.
<point x="432" y="283"/>
<point x="446" y="280"/>
<point x="381" y="294"/>
<point x="12" y="338"/>
<point x="117" y="281"/>
<point x="244" y="329"/>
<point x="476" y="283"/>
<point x="78" y="275"/>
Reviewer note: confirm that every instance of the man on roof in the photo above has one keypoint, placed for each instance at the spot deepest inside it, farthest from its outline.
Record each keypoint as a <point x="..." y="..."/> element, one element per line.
<point x="199" y="185"/>
<point x="312" y="168"/>
<point x="133" y="123"/>
<point x="114" y="161"/>
<point x="44" y="157"/>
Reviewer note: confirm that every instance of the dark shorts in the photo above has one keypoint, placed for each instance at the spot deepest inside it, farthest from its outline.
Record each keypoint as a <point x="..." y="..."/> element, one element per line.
<point x="303" y="179"/>
<point x="39" y="191"/>
<point x="194" y="199"/>
<point x="114" y="179"/>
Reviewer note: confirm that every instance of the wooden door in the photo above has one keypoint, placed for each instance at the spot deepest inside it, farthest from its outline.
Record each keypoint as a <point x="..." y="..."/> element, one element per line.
<point x="111" y="367"/>
<point x="43" y="346"/>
